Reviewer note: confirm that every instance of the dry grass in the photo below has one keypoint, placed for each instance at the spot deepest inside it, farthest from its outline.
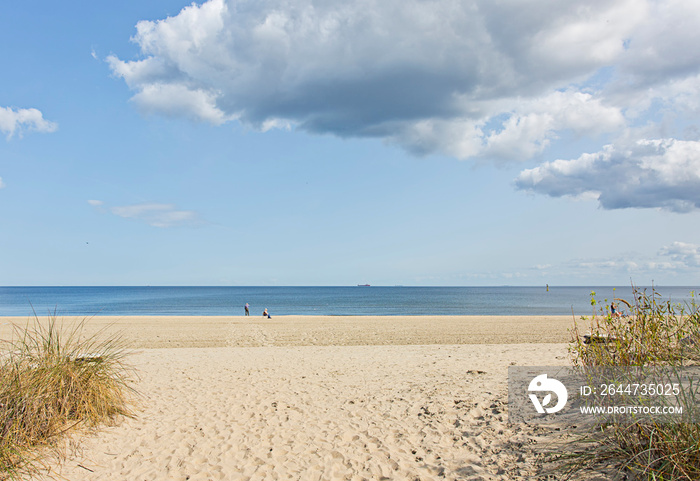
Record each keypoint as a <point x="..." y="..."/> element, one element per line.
<point x="52" y="380"/>
<point x="654" y="333"/>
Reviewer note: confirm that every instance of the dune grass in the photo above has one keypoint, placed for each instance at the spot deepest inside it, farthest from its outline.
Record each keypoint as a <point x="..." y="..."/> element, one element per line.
<point x="654" y="333"/>
<point x="53" y="378"/>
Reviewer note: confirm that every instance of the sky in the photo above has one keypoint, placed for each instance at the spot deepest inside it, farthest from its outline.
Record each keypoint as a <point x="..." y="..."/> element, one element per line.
<point x="326" y="142"/>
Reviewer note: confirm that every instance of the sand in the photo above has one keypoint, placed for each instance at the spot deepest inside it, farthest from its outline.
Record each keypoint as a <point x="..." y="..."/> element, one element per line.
<point x="322" y="398"/>
<point x="284" y="331"/>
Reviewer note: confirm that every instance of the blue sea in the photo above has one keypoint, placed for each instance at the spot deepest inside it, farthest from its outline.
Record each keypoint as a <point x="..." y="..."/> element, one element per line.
<point x="334" y="301"/>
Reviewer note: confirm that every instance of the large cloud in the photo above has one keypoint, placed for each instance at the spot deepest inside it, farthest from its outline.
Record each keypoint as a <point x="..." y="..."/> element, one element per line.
<point x="485" y="79"/>
<point x="16" y="121"/>
<point x="474" y="77"/>
<point x="651" y="173"/>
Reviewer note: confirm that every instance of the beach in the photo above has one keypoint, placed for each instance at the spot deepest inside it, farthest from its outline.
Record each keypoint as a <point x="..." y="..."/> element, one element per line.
<point x="321" y="398"/>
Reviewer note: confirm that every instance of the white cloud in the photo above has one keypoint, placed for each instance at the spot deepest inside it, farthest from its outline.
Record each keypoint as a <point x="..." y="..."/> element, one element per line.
<point x="684" y="253"/>
<point x="664" y="45"/>
<point x="633" y="266"/>
<point x="475" y="79"/>
<point x="534" y="124"/>
<point x="177" y="100"/>
<point x="16" y="121"/>
<point x="384" y="68"/>
<point x="663" y="173"/>
<point x="1" y="183"/>
<point x="524" y="131"/>
<point x="671" y="261"/>
<point x="158" y="215"/>
<point x="95" y="203"/>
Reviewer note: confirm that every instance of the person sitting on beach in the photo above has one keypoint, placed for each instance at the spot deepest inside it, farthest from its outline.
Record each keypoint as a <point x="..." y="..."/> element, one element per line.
<point x="265" y="314"/>
<point x="613" y="311"/>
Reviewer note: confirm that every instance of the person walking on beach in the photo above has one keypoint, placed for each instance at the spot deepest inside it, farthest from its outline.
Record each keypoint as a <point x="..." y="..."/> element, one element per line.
<point x="247" y="309"/>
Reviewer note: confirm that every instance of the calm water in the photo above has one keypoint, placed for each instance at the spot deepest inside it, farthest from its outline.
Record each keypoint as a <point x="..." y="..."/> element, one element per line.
<point x="209" y="301"/>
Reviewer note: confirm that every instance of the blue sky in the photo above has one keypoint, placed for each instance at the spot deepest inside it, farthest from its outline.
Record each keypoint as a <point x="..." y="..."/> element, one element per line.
<point x="331" y="143"/>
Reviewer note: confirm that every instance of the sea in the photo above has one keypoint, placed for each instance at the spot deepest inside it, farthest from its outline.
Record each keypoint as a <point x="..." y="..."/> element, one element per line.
<point x="327" y="301"/>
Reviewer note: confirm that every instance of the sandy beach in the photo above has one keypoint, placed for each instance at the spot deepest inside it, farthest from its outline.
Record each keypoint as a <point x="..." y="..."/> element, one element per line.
<point x="322" y="398"/>
<point x="286" y="331"/>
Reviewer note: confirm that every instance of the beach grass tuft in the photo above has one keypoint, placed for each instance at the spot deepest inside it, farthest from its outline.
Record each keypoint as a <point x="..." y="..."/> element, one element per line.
<point x="53" y="379"/>
<point x="651" y="332"/>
